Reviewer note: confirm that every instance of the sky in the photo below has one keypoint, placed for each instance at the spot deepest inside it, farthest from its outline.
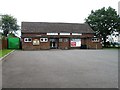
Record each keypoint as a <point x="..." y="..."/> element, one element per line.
<point x="69" y="11"/>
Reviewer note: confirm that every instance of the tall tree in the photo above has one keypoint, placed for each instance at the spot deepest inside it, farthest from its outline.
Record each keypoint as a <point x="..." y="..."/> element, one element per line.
<point x="9" y="23"/>
<point x="0" y="21"/>
<point x="104" y="22"/>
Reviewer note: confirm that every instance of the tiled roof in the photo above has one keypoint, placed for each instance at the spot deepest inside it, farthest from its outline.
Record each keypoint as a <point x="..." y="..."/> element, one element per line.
<point x="45" y="27"/>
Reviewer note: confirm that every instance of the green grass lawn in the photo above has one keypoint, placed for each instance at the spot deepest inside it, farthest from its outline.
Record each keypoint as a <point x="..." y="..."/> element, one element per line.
<point x="4" y="52"/>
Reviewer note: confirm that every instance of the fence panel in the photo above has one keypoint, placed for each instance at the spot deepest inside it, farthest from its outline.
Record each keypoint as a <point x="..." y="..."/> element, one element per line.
<point x="13" y="43"/>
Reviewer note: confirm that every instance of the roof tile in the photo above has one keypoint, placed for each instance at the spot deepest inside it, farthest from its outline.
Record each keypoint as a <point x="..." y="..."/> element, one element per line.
<point x="45" y="27"/>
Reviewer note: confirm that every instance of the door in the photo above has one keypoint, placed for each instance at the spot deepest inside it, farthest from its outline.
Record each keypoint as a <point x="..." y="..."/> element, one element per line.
<point x="53" y="43"/>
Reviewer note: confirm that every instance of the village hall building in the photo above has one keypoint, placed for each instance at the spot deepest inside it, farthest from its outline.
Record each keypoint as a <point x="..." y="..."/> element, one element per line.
<point x="47" y="35"/>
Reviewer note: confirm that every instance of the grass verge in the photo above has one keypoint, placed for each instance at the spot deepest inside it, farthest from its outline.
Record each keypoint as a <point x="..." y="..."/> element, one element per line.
<point x="4" y="52"/>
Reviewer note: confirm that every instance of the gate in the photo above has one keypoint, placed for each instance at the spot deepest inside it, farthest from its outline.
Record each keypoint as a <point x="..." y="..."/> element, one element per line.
<point x="13" y="43"/>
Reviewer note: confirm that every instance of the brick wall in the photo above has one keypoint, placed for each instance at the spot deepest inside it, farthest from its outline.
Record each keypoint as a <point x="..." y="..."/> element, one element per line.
<point x="30" y="46"/>
<point x="85" y="40"/>
<point x="45" y="45"/>
<point x="64" y="44"/>
<point x="90" y="44"/>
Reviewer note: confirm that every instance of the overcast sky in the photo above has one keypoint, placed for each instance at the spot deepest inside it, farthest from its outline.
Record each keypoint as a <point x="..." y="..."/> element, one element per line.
<point x="72" y="11"/>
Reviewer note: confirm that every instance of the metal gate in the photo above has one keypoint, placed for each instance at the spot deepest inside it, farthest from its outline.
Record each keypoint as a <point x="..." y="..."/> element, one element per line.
<point x="13" y="43"/>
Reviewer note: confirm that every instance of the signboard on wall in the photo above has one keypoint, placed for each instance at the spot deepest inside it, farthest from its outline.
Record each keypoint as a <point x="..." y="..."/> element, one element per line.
<point x="75" y="42"/>
<point x="36" y="42"/>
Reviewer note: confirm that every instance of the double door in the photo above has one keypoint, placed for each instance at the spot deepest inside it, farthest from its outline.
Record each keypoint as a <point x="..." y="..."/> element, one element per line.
<point x="54" y="43"/>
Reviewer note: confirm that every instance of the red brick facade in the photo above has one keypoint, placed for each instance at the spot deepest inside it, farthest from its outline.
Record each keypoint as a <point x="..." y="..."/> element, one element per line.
<point x="86" y="39"/>
<point x="47" y="35"/>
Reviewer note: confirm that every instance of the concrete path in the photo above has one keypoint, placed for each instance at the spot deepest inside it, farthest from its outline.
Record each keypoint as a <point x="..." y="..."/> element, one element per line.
<point x="61" y="69"/>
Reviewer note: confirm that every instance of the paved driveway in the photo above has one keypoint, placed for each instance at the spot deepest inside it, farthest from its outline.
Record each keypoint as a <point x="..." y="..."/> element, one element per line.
<point x="61" y="69"/>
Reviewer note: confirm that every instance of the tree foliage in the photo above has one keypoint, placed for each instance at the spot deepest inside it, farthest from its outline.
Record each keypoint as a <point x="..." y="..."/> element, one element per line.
<point x="9" y="23"/>
<point x="104" y="22"/>
<point x="0" y="22"/>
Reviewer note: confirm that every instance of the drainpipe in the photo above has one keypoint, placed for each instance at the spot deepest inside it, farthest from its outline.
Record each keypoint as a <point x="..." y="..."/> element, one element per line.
<point x="96" y="46"/>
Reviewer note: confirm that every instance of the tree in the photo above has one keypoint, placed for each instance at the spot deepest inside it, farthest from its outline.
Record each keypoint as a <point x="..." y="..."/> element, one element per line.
<point x="11" y="35"/>
<point x="104" y="22"/>
<point x="9" y="23"/>
<point x="0" y="22"/>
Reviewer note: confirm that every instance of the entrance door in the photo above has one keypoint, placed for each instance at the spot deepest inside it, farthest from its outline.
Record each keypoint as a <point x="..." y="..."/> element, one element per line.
<point x="53" y="43"/>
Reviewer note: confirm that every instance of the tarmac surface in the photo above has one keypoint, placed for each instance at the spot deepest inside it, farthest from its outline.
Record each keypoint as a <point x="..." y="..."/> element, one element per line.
<point x="61" y="69"/>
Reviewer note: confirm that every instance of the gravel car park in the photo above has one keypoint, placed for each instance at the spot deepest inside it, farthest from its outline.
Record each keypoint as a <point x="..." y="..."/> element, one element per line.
<point x="61" y="69"/>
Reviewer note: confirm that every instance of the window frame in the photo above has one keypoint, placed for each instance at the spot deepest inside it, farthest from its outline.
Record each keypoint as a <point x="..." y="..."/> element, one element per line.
<point x="95" y="39"/>
<point x="66" y="40"/>
<point x="27" y="40"/>
<point x="43" y="39"/>
<point x="60" y="40"/>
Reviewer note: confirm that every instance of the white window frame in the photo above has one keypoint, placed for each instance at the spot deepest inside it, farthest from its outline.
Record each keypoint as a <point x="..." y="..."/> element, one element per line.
<point x="60" y="40"/>
<point x="95" y="39"/>
<point x="64" y="33"/>
<point x="76" y="33"/>
<point x="52" y="33"/>
<point x="66" y="40"/>
<point x="44" y="40"/>
<point x="27" y="39"/>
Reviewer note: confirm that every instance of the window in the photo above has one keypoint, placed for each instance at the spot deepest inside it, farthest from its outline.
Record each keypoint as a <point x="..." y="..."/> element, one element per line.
<point x="92" y="39"/>
<point x="60" y="40"/>
<point x="52" y="33"/>
<point x="27" y="39"/>
<point x="64" y="33"/>
<point x="76" y="34"/>
<point x="95" y="40"/>
<point x="43" y="39"/>
<point x="66" y="40"/>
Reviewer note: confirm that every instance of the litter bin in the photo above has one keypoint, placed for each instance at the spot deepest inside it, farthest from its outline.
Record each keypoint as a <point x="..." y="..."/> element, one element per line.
<point x="83" y="47"/>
